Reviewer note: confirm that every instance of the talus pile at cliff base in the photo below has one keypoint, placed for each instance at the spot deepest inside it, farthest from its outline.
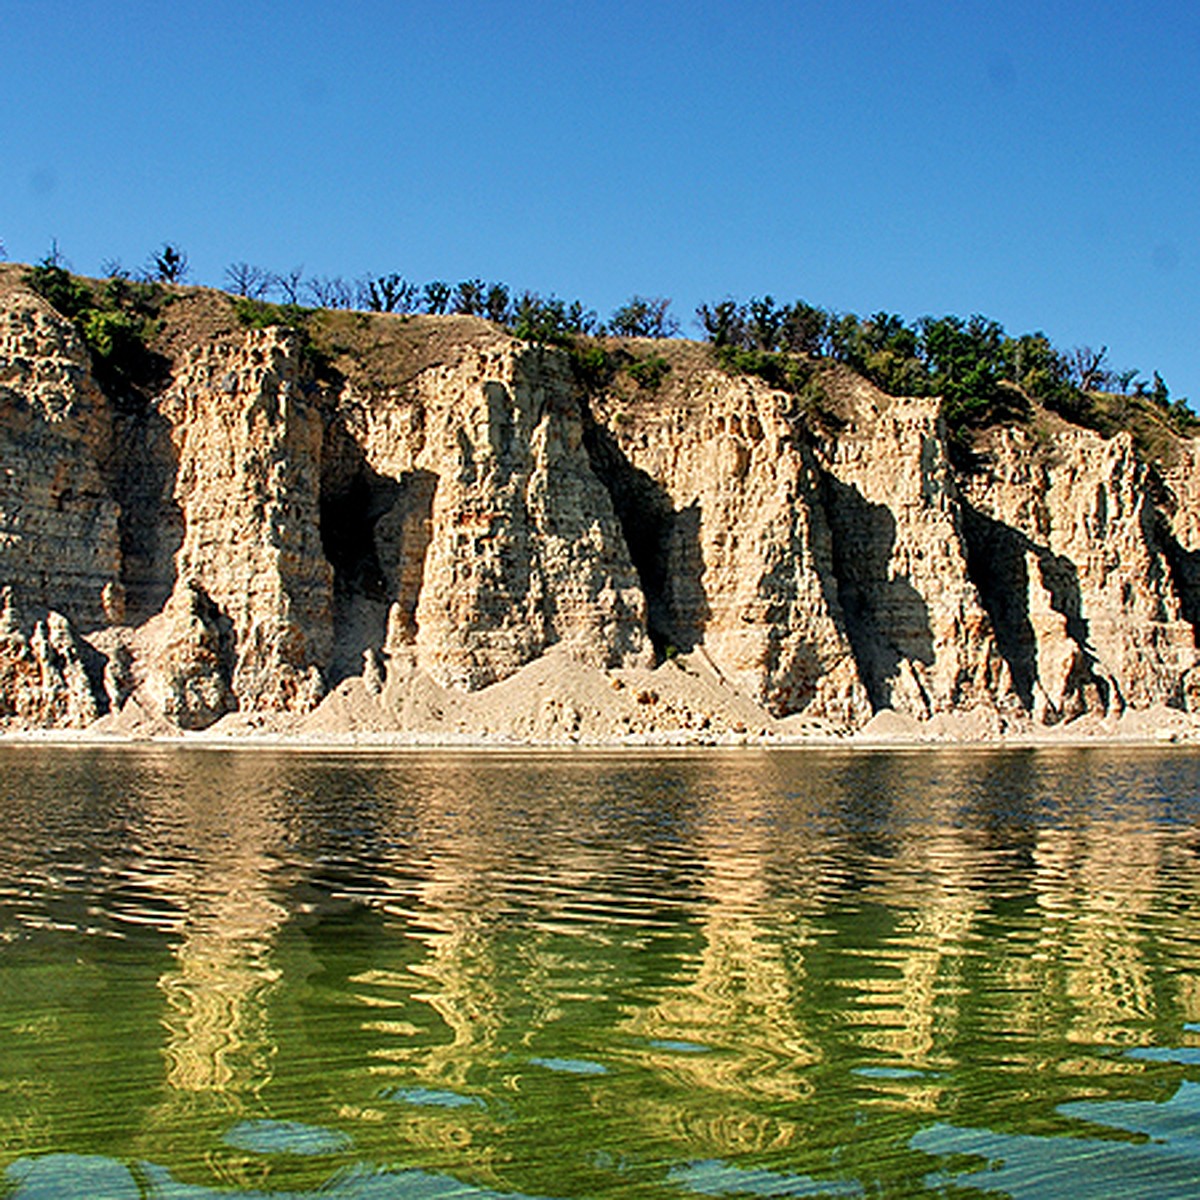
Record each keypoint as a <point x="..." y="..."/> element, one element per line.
<point x="421" y="527"/>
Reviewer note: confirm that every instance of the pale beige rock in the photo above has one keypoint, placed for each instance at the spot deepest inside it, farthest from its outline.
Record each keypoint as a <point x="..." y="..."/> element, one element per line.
<point x="496" y="540"/>
<point x="923" y="640"/>
<point x="249" y="439"/>
<point x="1100" y="594"/>
<point x="466" y="539"/>
<point x="742" y="542"/>
<point x="44" y="682"/>
<point x="183" y="661"/>
<point x="59" y="533"/>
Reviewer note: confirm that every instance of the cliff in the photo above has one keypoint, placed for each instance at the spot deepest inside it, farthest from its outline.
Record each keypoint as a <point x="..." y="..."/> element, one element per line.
<point x="386" y="523"/>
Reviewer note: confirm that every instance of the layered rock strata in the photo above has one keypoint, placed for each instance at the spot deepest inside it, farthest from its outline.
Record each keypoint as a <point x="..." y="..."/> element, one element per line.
<point x="922" y="639"/>
<point x="248" y="435"/>
<point x="59" y="536"/>
<point x="1073" y="553"/>
<point x="492" y="537"/>
<point x="257" y="533"/>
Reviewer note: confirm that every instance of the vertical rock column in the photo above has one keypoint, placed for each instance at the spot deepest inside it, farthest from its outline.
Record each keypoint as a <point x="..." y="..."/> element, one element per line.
<point x="525" y="550"/>
<point x="253" y="582"/>
<point x="923" y="640"/>
<point x="500" y="541"/>
<point x="60" y="555"/>
<point x="742" y="548"/>
<point x="59" y="540"/>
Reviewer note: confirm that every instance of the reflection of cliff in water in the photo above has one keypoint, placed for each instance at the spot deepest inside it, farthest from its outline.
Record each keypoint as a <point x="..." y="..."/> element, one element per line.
<point x="707" y="956"/>
<point x="221" y="882"/>
<point x="890" y="909"/>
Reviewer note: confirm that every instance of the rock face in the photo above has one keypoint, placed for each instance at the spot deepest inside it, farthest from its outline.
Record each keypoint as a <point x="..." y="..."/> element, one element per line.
<point x="43" y="680"/>
<point x="248" y="439"/>
<point x="1081" y="579"/>
<point x="59" y="536"/>
<point x="428" y="499"/>
<point x="722" y="506"/>
<point x="922" y="639"/>
<point x="492" y="537"/>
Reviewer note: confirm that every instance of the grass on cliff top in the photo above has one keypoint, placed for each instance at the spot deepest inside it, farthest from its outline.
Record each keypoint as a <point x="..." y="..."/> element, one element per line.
<point x="137" y="332"/>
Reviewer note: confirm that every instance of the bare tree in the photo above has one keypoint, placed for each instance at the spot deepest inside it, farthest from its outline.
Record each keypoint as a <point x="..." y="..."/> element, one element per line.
<point x="54" y="257"/>
<point x="469" y="298"/>
<point x="496" y="304"/>
<point x="644" y="316"/>
<point x="437" y="296"/>
<point x="249" y="281"/>
<point x="1088" y="367"/>
<point x="288" y="284"/>
<point x="1125" y="379"/>
<point x="328" y="292"/>
<point x="388" y="293"/>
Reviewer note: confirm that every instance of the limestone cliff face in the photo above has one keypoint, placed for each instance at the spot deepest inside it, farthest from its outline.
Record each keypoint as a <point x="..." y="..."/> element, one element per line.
<point x="59" y="537"/>
<point x="1077" y="563"/>
<point x="722" y="504"/>
<point x="44" y="682"/>
<point x="923" y="641"/>
<point x="824" y="574"/>
<point x="248" y="437"/>
<point x="439" y="502"/>
<point x="492" y="537"/>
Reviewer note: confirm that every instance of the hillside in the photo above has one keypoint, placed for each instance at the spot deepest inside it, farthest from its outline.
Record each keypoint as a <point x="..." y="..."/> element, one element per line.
<point x="422" y="525"/>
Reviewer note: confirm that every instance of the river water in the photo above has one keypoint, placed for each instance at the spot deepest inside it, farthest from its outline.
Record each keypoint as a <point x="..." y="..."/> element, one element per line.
<point x="693" y="974"/>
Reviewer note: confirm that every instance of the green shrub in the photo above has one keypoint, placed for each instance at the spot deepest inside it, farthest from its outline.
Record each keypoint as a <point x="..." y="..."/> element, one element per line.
<point x="648" y="372"/>
<point x="111" y="335"/>
<point x="782" y="371"/>
<point x="551" y="321"/>
<point x="64" y="293"/>
<point x="644" y="317"/>
<point x="117" y="322"/>
<point x="593" y="366"/>
<point x="261" y="314"/>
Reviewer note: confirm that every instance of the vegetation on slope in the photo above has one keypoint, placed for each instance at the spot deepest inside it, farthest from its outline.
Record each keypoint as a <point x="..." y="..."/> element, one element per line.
<point x="983" y="375"/>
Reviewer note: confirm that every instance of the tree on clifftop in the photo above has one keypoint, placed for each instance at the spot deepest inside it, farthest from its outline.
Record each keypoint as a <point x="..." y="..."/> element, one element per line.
<point x="168" y="265"/>
<point x="644" y="316"/>
<point x="248" y="280"/>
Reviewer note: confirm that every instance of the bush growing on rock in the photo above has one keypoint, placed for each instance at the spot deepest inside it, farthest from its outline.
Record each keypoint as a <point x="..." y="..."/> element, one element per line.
<point x="982" y="374"/>
<point x="648" y="372"/>
<point x="551" y="322"/>
<point x="116" y="321"/>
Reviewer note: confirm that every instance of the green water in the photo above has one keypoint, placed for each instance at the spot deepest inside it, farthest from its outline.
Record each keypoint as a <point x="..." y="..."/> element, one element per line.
<point x="598" y="975"/>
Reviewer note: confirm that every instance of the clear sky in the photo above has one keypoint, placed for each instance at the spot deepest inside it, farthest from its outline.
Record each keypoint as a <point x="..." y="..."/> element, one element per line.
<point x="1035" y="162"/>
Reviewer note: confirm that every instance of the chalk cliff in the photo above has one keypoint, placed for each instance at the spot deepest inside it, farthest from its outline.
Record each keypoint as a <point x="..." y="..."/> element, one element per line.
<point x="382" y="516"/>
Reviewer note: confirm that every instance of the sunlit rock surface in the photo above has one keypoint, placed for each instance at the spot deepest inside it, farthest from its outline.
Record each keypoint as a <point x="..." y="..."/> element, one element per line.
<point x="429" y="507"/>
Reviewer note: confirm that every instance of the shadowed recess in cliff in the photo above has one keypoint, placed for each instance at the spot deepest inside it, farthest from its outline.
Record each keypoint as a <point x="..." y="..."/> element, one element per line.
<point x="375" y="532"/>
<point x="999" y="558"/>
<point x="1185" y="566"/>
<point x="663" y="543"/>
<point x="1158" y="522"/>
<point x="887" y="621"/>
<point x="996" y="565"/>
<point x="145" y="463"/>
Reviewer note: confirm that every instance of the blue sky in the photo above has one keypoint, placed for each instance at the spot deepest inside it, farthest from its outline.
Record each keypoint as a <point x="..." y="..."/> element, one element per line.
<point x="1038" y="163"/>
